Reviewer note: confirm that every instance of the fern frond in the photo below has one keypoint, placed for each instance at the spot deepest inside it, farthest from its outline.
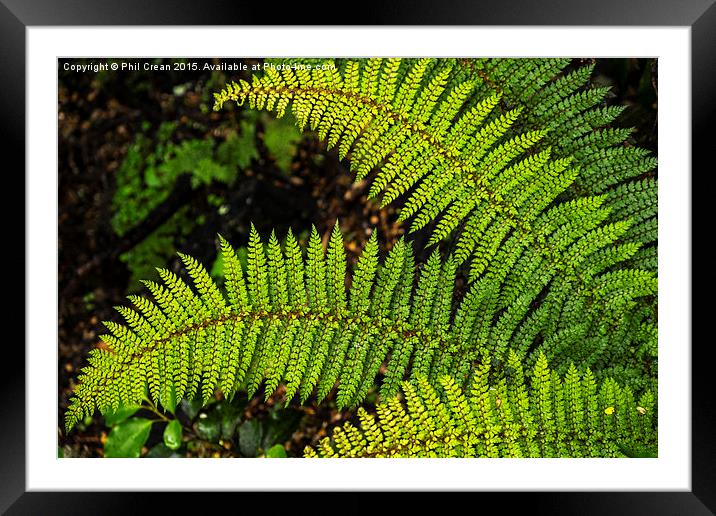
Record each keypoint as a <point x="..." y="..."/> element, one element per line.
<point x="408" y="133"/>
<point x="281" y="320"/>
<point x="551" y="416"/>
<point x="561" y="110"/>
<point x="289" y="320"/>
<point x="572" y="112"/>
<point x="487" y="151"/>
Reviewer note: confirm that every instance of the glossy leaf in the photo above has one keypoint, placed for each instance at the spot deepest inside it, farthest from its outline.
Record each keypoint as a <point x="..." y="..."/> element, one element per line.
<point x="120" y="414"/>
<point x="127" y="438"/>
<point x="277" y="451"/>
<point x="173" y="435"/>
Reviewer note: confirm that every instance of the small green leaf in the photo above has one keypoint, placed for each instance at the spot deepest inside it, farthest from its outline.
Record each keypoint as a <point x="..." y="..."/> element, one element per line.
<point x="152" y="178"/>
<point x="127" y="438"/>
<point x="121" y="414"/>
<point x="277" y="451"/>
<point x="173" y="435"/>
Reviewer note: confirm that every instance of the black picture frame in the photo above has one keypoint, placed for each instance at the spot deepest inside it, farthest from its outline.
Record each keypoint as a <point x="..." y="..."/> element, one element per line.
<point x="17" y="15"/>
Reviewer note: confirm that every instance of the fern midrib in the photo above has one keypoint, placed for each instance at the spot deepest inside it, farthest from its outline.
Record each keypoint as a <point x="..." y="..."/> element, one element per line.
<point x="581" y="437"/>
<point x="527" y="108"/>
<point x="525" y="229"/>
<point x="416" y="128"/>
<point x="466" y="63"/>
<point x="397" y="328"/>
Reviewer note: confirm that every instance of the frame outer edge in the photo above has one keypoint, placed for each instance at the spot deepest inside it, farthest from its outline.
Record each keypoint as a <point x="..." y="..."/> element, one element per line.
<point x="12" y="145"/>
<point x="12" y="102"/>
<point x="703" y="109"/>
<point x="396" y="12"/>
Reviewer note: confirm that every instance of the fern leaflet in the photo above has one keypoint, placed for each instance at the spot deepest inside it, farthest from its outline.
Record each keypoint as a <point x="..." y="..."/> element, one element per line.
<point x="555" y="416"/>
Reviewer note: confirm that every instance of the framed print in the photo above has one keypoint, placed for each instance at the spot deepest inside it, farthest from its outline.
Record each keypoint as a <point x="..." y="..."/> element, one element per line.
<point x="396" y="257"/>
